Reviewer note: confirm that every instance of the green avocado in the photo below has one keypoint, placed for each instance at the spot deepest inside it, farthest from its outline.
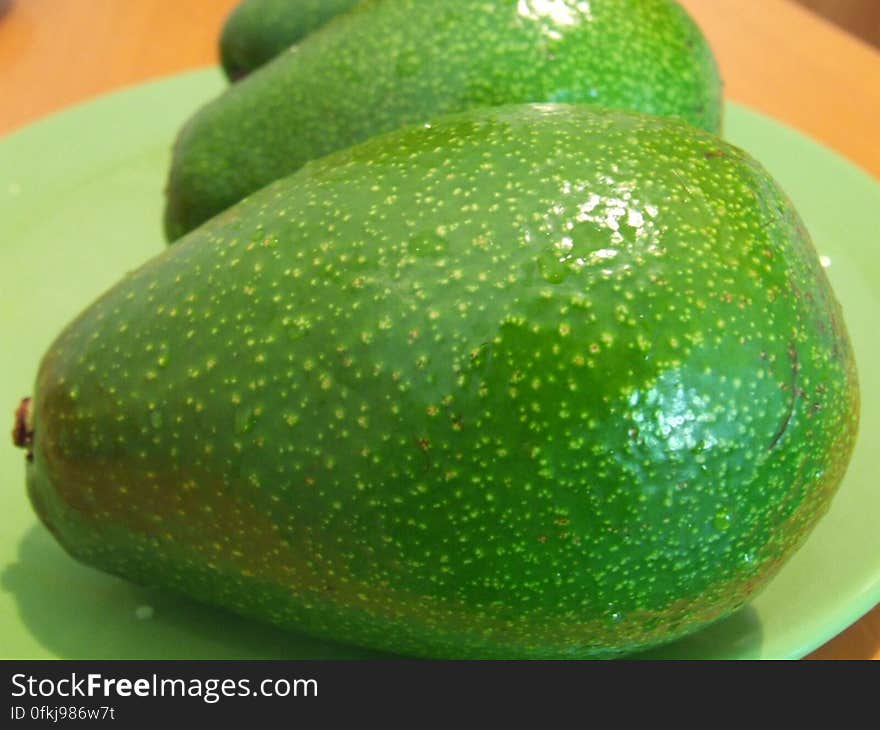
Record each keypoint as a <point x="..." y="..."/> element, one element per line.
<point x="386" y="64"/>
<point x="533" y="381"/>
<point x="258" y="30"/>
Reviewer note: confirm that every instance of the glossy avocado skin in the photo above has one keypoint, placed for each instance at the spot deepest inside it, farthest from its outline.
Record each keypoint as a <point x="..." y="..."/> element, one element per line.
<point x="386" y="64"/>
<point x="537" y="381"/>
<point x="258" y="30"/>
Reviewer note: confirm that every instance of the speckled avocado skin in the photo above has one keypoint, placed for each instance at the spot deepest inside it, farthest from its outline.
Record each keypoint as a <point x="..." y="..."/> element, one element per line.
<point x="395" y="62"/>
<point x="537" y="381"/>
<point x="258" y="30"/>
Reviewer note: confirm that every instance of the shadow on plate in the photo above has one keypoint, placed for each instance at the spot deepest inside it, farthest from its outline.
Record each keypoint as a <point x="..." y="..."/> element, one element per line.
<point x="79" y="613"/>
<point x="736" y="637"/>
<point x="76" y="612"/>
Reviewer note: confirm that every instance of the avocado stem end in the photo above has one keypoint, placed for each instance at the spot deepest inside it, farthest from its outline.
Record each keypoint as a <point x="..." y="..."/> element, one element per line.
<point x="23" y="430"/>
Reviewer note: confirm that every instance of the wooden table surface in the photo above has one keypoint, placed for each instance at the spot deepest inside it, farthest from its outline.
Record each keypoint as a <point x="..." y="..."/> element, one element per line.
<point x="775" y="57"/>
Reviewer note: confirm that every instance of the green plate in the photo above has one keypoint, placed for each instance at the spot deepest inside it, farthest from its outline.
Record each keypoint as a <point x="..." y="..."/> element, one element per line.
<point x="80" y="204"/>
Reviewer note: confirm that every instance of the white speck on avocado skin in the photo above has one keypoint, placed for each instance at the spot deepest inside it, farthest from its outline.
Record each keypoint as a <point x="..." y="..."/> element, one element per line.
<point x="532" y="381"/>
<point x="404" y="62"/>
<point x="144" y="613"/>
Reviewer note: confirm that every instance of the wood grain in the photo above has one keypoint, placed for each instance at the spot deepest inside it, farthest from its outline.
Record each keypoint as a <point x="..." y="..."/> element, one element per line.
<point x="787" y="62"/>
<point x="775" y="56"/>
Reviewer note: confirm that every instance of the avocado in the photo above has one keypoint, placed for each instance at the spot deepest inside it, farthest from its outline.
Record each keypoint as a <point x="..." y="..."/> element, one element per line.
<point x="536" y="381"/>
<point x="386" y="64"/>
<point x="258" y="30"/>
